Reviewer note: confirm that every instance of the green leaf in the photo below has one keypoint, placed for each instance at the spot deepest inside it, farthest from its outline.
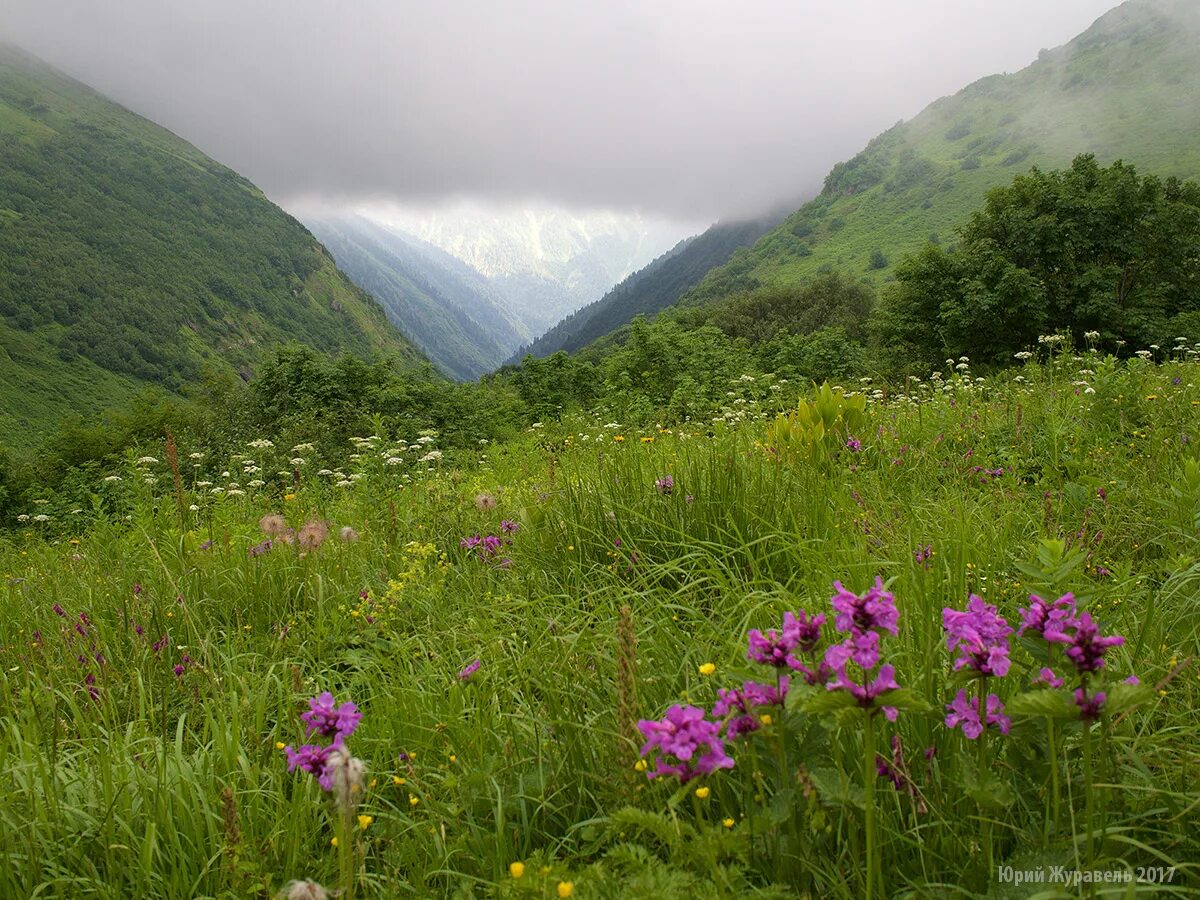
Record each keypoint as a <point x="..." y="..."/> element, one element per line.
<point x="829" y="701"/>
<point x="1047" y="702"/>
<point x="904" y="698"/>
<point x="1126" y="696"/>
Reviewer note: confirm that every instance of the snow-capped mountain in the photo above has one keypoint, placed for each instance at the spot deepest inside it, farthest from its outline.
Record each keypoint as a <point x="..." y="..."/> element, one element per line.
<point x="547" y="261"/>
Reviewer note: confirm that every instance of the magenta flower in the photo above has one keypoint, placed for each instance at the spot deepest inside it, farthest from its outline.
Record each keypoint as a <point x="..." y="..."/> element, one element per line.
<point x="965" y="713"/>
<point x="860" y="649"/>
<point x="866" y="693"/>
<point x="778" y="648"/>
<point x="471" y="669"/>
<point x="328" y="720"/>
<point x="1086" y="647"/>
<point x="665" y="485"/>
<point x="1090" y="706"/>
<point x="873" y="611"/>
<point x="737" y="705"/>
<point x="310" y="758"/>
<point x="1045" y="618"/>
<point x="980" y="635"/>
<point x="1047" y="677"/>
<point x="854" y="445"/>
<point x="688" y="736"/>
<point x="508" y="526"/>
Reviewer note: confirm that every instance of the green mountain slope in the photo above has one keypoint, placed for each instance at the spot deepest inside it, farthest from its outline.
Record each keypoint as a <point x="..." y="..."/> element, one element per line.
<point x="652" y="288"/>
<point x="1128" y="87"/>
<point x="448" y="309"/>
<point x="128" y="257"/>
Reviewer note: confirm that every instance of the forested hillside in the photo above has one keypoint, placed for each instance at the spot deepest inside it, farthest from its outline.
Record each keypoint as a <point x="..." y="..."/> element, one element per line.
<point x="128" y="257"/>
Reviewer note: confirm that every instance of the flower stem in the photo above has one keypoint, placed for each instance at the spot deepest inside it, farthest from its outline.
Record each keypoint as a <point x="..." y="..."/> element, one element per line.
<point x="869" y="801"/>
<point x="1089" y="806"/>
<point x="983" y="814"/>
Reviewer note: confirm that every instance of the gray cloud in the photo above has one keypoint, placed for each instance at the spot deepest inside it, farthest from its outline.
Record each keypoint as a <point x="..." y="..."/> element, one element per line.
<point x="685" y="108"/>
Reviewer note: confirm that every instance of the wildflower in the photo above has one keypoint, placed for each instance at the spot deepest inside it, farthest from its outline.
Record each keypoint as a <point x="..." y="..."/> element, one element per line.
<point x="687" y="735"/>
<point x="313" y="534"/>
<point x="260" y="548"/>
<point x="873" y="611"/>
<point x="1047" y="619"/>
<point x="471" y="669"/>
<point x="703" y="792"/>
<point x="854" y="444"/>
<point x="1090" y="706"/>
<point x="707" y="668"/>
<point x="1047" y="677"/>
<point x="348" y="534"/>
<point x="565" y="889"/>
<point x="508" y="526"/>
<point x="328" y="720"/>
<point x="342" y="776"/>
<point x="365" y="821"/>
<point x="922" y="555"/>
<point x="980" y="635"/>
<point x="965" y="713"/>
<point x="485" y="502"/>
<point x="516" y="869"/>
<point x="413" y="800"/>
<point x="727" y="822"/>
<point x="799" y="633"/>
<point x="736" y="705"/>
<point x="1086" y="647"/>
<point x="304" y="890"/>
<point x="665" y="485"/>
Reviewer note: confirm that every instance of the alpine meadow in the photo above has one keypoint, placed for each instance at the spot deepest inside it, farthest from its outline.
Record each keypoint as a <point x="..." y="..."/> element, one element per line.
<point x="849" y="549"/>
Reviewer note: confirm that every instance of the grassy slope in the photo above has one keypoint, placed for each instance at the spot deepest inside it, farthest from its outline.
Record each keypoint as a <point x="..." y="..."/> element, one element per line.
<point x="128" y="257"/>
<point x="121" y="796"/>
<point x="1128" y="88"/>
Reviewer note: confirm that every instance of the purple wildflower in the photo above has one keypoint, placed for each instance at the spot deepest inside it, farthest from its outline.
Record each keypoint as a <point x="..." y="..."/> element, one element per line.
<point x="922" y="555"/>
<point x="1086" y="647"/>
<point x="491" y="545"/>
<point x="58" y="610"/>
<point x="260" y="548"/>
<point x="736" y="705"/>
<point x="471" y="669"/>
<point x="1046" y="618"/>
<point x="865" y="694"/>
<point x="688" y="736"/>
<point x="689" y="499"/>
<point x="799" y="634"/>
<point x="309" y="757"/>
<point x="207" y="545"/>
<point x="1047" y="677"/>
<point x="980" y="635"/>
<point x="854" y="444"/>
<point x="158" y="645"/>
<point x="1091" y="706"/>
<point x="965" y="713"/>
<point x="328" y="720"/>
<point x="470" y="542"/>
<point x="508" y="526"/>
<point x="873" y="611"/>
<point x="665" y="485"/>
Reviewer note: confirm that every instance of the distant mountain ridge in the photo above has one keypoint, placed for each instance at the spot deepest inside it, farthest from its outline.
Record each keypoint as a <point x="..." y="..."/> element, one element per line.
<point x="547" y="262"/>
<point x="652" y="288"/>
<point x="462" y="322"/>
<point x="128" y="258"/>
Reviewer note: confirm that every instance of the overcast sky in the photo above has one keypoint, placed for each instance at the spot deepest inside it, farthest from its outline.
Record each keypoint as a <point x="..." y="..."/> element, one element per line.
<point x="681" y="108"/>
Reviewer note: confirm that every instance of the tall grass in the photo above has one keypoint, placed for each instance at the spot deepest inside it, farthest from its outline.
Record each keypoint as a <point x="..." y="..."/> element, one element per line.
<point x="150" y="784"/>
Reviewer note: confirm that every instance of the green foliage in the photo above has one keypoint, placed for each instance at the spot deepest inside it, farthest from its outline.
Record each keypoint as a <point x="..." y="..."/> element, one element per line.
<point x="1087" y="249"/>
<point x="126" y="252"/>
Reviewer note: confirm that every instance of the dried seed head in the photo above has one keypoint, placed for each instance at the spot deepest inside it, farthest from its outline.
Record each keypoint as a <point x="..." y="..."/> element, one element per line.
<point x="303" y="890"/>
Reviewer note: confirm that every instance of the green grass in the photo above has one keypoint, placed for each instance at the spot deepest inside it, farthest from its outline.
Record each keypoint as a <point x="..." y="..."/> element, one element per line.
<point x="125" y="794"/>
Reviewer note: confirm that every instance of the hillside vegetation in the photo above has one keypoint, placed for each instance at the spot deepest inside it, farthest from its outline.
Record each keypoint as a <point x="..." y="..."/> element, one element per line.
<point x="127" y="257"/>
<point x="1127" y="88"/>
<point x="514" y="637"/>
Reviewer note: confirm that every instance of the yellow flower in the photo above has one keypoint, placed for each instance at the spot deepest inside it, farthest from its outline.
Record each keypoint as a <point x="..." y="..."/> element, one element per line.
<point x="708" y="668"/>
<point x="702" y="793"/>
<point x="570" y="546"/>
<point x="516" y="870"/>
<point x="728" y="823"/>
<point x="396" y="779"/>
<point x="647" y="440"/>
<point x="412" y="800"/>
<point x="279" y="745"/>
<point x="619" y="438"/>
<point x="289" y="497"/>
<point x="566" y="888"/>
<point x="453" y="758"/>
<point x="765" y="719"/>
<point x="333" y="842"/>
<point x="364" y="821"/>
<point x="640" y="765"/>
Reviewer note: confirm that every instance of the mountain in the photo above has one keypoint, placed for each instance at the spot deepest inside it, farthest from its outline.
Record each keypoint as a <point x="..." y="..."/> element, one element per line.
<point x="452" y="312"/>
<point x="547" y="262"/>
<point x="653" y="288"/>
<point x="128" y="258"/>
<point x="1128" y="87"/>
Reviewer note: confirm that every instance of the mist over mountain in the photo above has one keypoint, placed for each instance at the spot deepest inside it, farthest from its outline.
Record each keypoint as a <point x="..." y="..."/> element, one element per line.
<point x="547" y="262"/>
<point x="462" y="321"/>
